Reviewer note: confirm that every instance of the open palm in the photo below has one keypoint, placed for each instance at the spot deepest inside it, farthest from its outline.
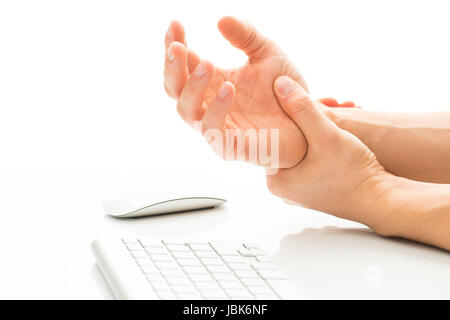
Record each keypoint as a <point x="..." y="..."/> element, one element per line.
<point x="250" y="102"/>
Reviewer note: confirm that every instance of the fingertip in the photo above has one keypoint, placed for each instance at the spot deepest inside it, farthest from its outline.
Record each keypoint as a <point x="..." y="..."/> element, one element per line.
<point x="329" y="102"/>
<point x="225" y="22"/>
<point x="226" y="91"/>
<point x="285" y="86"/>
<point x="175" y="32"/>
<point x="177" y="51"/>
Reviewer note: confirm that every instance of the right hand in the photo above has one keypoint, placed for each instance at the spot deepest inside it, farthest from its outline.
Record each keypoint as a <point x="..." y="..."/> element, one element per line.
<point x="240" y="98"/>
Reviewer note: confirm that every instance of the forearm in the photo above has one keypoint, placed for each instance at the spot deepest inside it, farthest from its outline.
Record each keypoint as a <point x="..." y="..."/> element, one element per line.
<point x="414" y="146"/>
<point x="413" y="210"/>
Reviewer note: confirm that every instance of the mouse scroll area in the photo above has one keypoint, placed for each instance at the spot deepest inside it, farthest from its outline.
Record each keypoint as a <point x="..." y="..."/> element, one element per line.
<point x="117" y="208"/>
<point x="123" y="209"/>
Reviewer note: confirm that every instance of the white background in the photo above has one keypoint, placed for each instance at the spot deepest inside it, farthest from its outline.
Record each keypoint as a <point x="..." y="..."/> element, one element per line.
<point x="83" y="115"/>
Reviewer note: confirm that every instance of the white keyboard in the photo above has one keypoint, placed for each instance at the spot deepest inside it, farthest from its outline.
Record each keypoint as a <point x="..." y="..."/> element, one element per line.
<point x="154" y="269"/>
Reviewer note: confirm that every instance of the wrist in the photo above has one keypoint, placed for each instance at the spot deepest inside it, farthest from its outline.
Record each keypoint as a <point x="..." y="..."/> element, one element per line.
<point x="413" y="210"/>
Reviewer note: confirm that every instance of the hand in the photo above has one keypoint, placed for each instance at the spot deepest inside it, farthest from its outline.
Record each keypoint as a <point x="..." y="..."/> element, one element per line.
<point x="339" y="174"/>
<point x="241" y="98"/>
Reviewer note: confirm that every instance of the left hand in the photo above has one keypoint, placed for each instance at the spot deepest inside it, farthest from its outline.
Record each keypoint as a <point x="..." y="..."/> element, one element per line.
<point x="339" y="174"/>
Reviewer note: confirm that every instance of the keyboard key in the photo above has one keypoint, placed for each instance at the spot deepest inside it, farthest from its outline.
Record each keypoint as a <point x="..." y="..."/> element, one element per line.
<point x="134" y="246"/>
<point x="149" y="270"/>
<point x="200" y="247"/>
<point x="206" y="254"/>
<point x="225" y="276"/>
<point x="184" y="289"/>
<point x="264" y="265"/>
<point x="143" y="262"/>
<point x="231" y="284"/>
<point x="155" y="278"/>
<point x="212" y="261"/>
<point x="218" y="269"/>
<point x="184" y="255"/>
<point x="130" y="240"/>
<point x="178" y="281"/>
<point x="166" y="265"/>
<point x="246" y="253"/>
<point x="243" y="274"/>
<point x="234" y="259"/>
<point x="196" y="242"/>
<point x="189" y="262"/>
<point x="239" y="266"/>
<point x="162" y="257"/>
<point x="178" y="248"/>
<point x="173" y="242"/>
<point x="201" y="278"/>
<point x="139" y="254"/>
<point x="156" y="250"/>
<point x="208" y="286"/>
<point x="254" y="282"/>
<point x="172" y="273"/>
<point x="263" y="259"/>
<point x="195" y="270"/>
<point x="225" y="249"/>
<point x="260" y="290"/>
<point x="250" y="245"/>
<point x="258" y="252"/>
<point x="160" y="286"/>
<point x="271" y="274"/>
<point x="151" y="243"/>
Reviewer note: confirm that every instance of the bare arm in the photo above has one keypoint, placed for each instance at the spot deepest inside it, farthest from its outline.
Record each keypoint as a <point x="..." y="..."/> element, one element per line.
<point x="415" y="210"/>
<point x="415" y="146"/>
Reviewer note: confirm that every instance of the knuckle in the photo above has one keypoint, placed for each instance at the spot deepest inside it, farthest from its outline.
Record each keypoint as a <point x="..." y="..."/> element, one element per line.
<point x="302" y="103"/>
<point x="181" y="110"/>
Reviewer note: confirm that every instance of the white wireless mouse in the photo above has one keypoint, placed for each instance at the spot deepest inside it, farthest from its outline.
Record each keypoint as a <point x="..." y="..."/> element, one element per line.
<point x="127" y="209"/>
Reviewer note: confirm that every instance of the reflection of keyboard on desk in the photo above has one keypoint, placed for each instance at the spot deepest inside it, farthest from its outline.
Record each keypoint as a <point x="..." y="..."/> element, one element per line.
<point x="155" y="269"/>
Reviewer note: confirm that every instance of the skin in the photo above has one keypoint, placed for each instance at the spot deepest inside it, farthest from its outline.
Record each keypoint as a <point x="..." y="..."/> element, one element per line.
<point x="409" y="145"/>
<point x="326" y="158"/>
<point x="340" y="175"/>
<point x="253" y="106"/>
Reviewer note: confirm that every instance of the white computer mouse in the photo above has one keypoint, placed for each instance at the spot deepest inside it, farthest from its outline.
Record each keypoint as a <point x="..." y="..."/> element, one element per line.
<point x="135" y="209"/>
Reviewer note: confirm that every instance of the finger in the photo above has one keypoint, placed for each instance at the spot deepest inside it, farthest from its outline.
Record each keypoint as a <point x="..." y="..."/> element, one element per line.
<point x="347" y="104"/>
<point x="175" y="69"/>
<point x="329" y="102"/>
<point x="190" y="103"/>
<point x="192" y="60"/>
<point x="244" y="36"/>
<point x="176" y="32"/>
<point x="214" y="117"/>
<point x="301" y="109"/>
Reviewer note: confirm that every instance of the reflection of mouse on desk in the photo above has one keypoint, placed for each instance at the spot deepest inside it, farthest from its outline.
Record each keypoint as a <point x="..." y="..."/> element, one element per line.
<point x="123" y="209"/>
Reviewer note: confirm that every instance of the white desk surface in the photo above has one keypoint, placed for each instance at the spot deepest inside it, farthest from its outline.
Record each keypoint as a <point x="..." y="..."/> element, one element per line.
<point x="84" y="119"/>
<point x="49" y="219"/>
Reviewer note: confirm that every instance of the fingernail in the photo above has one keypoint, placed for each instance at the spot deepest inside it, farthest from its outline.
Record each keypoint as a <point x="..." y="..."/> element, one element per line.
<point x="224" y="91"/>
<point x="285" y="86"/>
<point x="170" y="55"/>
<point x="200" y="71"/>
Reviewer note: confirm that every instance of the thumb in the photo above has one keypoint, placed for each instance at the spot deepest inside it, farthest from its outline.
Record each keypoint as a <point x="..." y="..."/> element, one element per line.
<point x="244" y="36"/>
<point x="296" y="102"/>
